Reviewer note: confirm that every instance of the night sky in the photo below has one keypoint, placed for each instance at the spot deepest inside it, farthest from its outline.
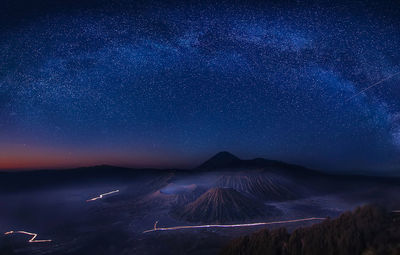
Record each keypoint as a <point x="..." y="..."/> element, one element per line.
<point x="166" y="84"/>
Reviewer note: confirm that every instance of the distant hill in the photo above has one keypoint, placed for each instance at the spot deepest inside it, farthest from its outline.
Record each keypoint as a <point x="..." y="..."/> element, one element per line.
<point x="222" y="159"/>
<point x="227" y="162"/>
<point x="221" y="162"/>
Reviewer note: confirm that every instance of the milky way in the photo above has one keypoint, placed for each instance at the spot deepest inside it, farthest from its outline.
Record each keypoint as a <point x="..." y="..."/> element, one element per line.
<point x="170" y="84"/>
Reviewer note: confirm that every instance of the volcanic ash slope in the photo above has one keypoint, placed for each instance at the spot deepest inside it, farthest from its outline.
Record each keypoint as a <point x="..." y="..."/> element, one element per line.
<point x="223" y="205"/>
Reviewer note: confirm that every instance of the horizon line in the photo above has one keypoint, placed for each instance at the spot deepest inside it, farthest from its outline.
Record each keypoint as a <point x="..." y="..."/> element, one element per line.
<point x="387" y="173"/>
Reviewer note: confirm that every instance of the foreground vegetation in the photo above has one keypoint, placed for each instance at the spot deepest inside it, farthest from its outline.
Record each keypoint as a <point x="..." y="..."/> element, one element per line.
<point x="368" y="230"/>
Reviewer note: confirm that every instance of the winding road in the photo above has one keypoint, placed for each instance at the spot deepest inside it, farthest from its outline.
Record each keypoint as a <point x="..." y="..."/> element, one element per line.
<point x="102" y="195"/>
<point x="32" y="240"/>
<point x="231" y="226"/>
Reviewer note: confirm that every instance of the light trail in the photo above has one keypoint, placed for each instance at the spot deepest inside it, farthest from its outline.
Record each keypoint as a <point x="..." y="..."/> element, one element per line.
<point x="371" y="86"/>
<point x="32" y="240"/>
<point x="231" y="226"/>
<point x="102" y="195"/>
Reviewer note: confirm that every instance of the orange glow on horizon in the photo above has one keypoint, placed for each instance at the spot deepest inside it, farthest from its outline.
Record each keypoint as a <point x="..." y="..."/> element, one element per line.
<point x="24" y="157"/>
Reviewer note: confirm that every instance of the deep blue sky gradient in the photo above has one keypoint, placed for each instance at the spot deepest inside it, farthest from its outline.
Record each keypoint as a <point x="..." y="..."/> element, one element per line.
<point x="169" y="84"/>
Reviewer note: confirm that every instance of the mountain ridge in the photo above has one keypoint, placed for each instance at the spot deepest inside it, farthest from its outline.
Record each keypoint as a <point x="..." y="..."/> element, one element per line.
<point x="226" y="161"/>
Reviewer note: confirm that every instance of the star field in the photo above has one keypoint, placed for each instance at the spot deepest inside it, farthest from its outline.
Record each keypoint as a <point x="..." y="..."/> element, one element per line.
<point x="168" y="84"/>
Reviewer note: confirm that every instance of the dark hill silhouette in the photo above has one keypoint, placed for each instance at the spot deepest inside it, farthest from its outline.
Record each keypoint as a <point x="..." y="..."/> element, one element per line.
<point x="226" y="161"/>
<point x="222" y="159"/>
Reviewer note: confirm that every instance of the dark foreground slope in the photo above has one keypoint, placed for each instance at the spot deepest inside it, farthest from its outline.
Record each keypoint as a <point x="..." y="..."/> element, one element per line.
<point x="367" y="231"/>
